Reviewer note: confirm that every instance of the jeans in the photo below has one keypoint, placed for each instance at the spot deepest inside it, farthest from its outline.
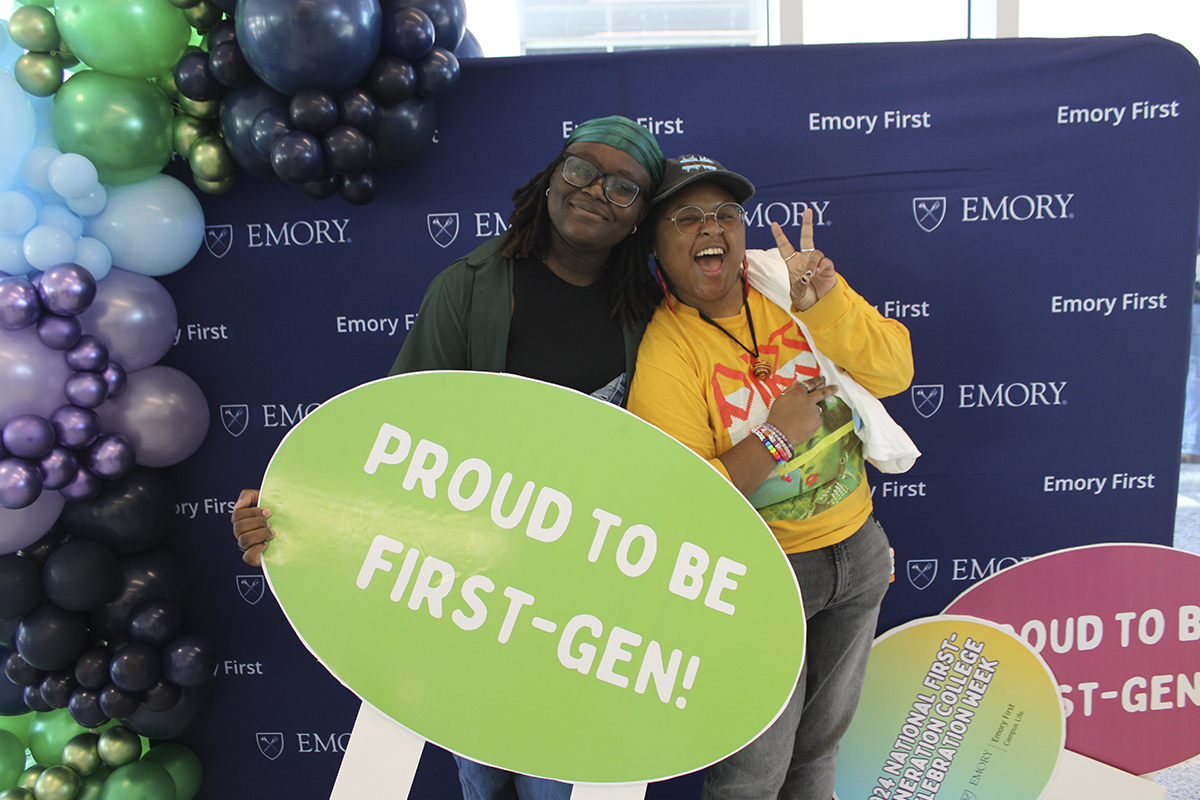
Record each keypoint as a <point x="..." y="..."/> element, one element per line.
<point x="796" y="758"/>
<point x="480" y="782"/>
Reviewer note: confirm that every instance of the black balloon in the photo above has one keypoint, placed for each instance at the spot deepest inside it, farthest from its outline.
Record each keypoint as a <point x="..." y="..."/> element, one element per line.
<point x="85" y="708"/>
<point x="469" y="47"/>
<point x="154" y="573"/>
<point x="406" y="32"/>
<point x="449" y="18"/>
<point x="437" y="73"/>
<point x="57" y="688"/>
<point x="346" y="150"/>
<point x="359" y="189"/>
<point x="189" y="660"/>
<point x="162" y="696"/>
<point x="81" y="575"/>
<point x="228" y="6"/>
<point x="223" y="31"/>
<point x="131" y="514"/>
<point x="12" y="695"/>
<point x="20" y="672"/>
<point x="358" y="109"/>
<point x="52" y="638"/>
<point x="194" y="79"/>
<point x="116" y="702"/>
<point x="239" y="108"/>
<point x="20" y="586"/>
<point x="404" y="131"/>
<point x="391" y="80"/>
<point x="324" y="187"/>
<point x="174" y="721"/>
<point x="134" y="667"/>
<point x="91" y="668"/>
<point x="32" y="696"/>
<point x="155" y="622"/>
<point x="297" y="157"/>
<point x="228" y="66"/>
<point x="8" y="631"/>
<point x="313" y="110"/>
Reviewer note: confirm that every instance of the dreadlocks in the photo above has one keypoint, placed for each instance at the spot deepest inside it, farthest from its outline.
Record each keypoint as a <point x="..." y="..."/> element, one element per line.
<point x="634" y="293"/>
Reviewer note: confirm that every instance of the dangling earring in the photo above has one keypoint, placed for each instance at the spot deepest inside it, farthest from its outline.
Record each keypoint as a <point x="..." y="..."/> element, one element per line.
<point x="662" y="282"/>
<point x="745" y="277"/>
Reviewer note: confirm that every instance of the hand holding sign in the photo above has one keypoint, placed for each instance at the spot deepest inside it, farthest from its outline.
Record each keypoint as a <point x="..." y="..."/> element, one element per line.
<point x="251" y="527"/>
<point x="812" y="274"/>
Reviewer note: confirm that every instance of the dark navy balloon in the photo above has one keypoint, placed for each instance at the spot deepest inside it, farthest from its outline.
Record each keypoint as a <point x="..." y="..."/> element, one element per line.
<point x="322" y="44"/>
<point x="449" y="18"/>
<point x="239" y="109"/>
<point x="359" y="189"/>
<point x="297" y="157"/>
<point x="81" y="575"/>
<point x="20" y="586"/>
<point x="346" y="150"/>
<point x="131" y="515"/>
<point x="269" y="125"/>
<point x="229" y="66"/>
<point x="162" y="696"/>
<point x="85" y="707"/>
<point x="313" y="110"/>
<point x="155" y="622"/>
<point x="135" y="667"/>
<point x="437" y="73"/>
<point x="404" y="131"/>
<point x="194" y="79"/>
<point x="91" y="668"/>
<point x="189" y="660"/>
<point x="358" y="109"/>
<point x="407" y="32"/>
<point x="469" y="47"/>
<point x="391" y="80"/>
<point x="52" y="638"/>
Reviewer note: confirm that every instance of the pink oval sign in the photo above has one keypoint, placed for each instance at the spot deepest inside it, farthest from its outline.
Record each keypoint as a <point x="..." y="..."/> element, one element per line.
<point x="1119" y="625"/>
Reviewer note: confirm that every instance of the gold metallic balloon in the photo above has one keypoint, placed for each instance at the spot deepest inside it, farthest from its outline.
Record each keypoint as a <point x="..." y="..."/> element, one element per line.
<point x="203" y="15"/>
<point x="91" y="787"/>
<point x="214" y="187"/>
<point x="186" y="130"/>
<point x="16" y="793"/>
<point x="56" y="783"/>
<point x="207" y="109"/>
<point x="29" y="777"/>
<point x="210" y="159"/>
<point x="34" y="28"/>
<point x="119" y="746"/>
<point x="40" y="74"/>
<point x="81" y="755"/>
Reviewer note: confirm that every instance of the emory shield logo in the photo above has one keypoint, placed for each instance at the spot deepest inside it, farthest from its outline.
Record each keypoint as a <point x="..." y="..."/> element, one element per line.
<point x="251" y="587"/>
<point x="270" y="744"/>
<point x="218" y="239"/>
<point x="929" y="211"/>
<point x="927" y="399"/>
<point x="443" y="228"/>
<point x="921" y="572"/>
<point x="235" y="418"/>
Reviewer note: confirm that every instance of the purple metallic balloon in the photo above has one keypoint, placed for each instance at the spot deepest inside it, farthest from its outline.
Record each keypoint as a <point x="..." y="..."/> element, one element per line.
<point x="59" y="333"/>
<point x="31" y="375"/>
<point x="86" y="389"/>
<point x="67" y="289"/>
<point x="28" y="436"/>
<point x="20" y="483"/>
<point x="162" y="411"/>
<point x="83" y="488"/>
<point x="114" y="375"/>
<point x="58" y="467"/>
<point x="20" y="304"/>
<point x="111" y="456"/>
<point x="89" y="354"/>
<point x="75" y="427"/>
<point x="135" y="316"/>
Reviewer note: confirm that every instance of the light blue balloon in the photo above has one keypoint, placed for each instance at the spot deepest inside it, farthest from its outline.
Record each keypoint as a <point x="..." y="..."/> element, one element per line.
<point x="91" y="203"/>
<point x="72" y="175"/>
<point x="9" y="50"/>
<point x="94" y="256"/>
<point x="17" y="213"/>
<point x="47" y="246"/>
<point x="154" y="227"/>
<point x="12" y="256"/>
<point x="41" y="112"/>
<point x="17" y="127"/>
<point x="35" y="168"/>
<point x="60" y="216"/>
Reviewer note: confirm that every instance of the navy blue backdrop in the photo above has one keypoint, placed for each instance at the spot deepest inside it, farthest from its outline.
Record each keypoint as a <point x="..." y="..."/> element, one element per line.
<point x="1027" y="207"/>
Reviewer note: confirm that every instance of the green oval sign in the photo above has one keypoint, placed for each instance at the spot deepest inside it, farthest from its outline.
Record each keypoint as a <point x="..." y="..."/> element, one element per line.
<point x="532" y="578"/>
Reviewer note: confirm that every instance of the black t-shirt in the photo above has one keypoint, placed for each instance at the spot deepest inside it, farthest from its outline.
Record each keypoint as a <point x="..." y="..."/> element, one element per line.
<point x="562" y="333"/>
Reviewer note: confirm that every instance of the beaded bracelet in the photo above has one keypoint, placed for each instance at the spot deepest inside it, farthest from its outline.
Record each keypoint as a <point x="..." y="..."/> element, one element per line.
<point x="791" y="447"/>
<point x="777" y="445"/>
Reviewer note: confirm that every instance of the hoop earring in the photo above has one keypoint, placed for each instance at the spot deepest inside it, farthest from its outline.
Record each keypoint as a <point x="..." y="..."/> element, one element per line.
<point x="632" y="232"/>
<point x="547" y="191"/>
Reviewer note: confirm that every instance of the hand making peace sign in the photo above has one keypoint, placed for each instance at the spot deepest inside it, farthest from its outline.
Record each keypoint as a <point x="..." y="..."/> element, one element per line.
<point x="811" y="274"/>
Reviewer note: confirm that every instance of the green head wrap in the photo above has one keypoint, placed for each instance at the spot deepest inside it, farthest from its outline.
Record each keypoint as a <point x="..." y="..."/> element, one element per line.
<point x="628" y="137"/>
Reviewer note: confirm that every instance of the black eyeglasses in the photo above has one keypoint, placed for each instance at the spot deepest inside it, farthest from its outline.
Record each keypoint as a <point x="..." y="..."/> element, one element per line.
<point x="690" y="220"/>
<point x="579" y="172"/>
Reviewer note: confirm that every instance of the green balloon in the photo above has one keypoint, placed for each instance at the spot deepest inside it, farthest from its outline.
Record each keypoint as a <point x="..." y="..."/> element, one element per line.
<point x="50" y="732"/>
<point x="182" y="763"/>
<point x="12" y="759"/>
<point x="56" y="783"/>
<point x="18" y="725"/>
<point x="81" y="753"/>
<point x="16" y="793"/>
<point x="92" y="786"/>
<point x="132" y="38"/>
<point x="119" y="746"/>
<point x="123" y="125"/>
<point x="143" y="780"/>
